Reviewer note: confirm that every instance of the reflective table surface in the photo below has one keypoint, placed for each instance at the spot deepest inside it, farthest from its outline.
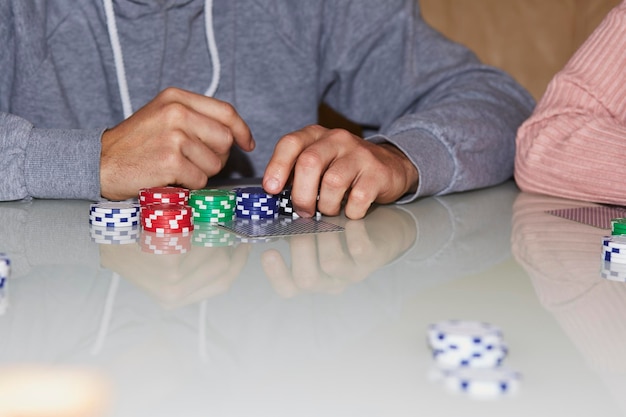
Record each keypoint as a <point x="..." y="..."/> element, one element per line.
<point x="332" y="324"/>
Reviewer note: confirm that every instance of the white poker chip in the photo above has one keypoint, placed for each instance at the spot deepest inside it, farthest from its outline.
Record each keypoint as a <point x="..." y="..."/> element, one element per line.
<point x="483" y="383"/>
<point x="5" y="266"/>
<point x="111" y="207"/>
<point x="464" y="335"/>
<point x="479" y="357"/>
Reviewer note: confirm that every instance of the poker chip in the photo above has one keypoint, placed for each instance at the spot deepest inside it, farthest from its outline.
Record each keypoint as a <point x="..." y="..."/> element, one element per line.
<point x="5" y="266"/>
<point x="464" y="335"/>
<point x="286" y="206"/>
<point x="114" y="207"/>
<point x="163" y="195"/>
<point x="116" y="215"/>
<point x="206" y="235"/>
<point x="212" y="205"/>
<point x="167" y="218"/>
<point x="481" y="357"/>
<point x="483" y="383"/>
<point x="254" y="203"/>
<point x="614" y="249"/>
<point x="618" y="226"/>
<point x="158" y="243"/>
<point x="469" y="358"/>
<point x="114" y="235"/>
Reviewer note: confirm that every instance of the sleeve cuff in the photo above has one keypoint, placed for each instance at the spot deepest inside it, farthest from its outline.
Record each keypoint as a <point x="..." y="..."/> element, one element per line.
<point x="63" y="164"/>
<point x="434" y="162"/>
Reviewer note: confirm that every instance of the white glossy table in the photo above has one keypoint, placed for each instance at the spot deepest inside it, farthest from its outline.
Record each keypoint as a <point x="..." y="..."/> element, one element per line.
<point x="322" y="325"/>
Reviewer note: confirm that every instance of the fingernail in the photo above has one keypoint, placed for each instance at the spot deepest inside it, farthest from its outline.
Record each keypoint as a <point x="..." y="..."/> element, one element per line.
<point x="272" y="185"/>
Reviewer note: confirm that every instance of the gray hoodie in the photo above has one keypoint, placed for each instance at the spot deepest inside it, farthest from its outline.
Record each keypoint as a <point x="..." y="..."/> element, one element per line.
<point x="374" y="61"/>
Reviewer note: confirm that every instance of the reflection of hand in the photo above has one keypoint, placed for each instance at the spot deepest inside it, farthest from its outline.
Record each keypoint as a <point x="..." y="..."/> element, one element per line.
<point x="177" y="280"/>
<point x="330" y="262"/>
<point x="338" y="164"/>
<point x="177" y="138"/>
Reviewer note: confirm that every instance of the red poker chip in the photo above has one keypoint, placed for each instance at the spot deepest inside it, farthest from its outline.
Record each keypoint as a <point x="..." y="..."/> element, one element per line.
<point x="158" y="192"/>
<point x="166" y="209"/>
<point x="168" y="215"/>
<point x="146" y="200"/>
<point x="178" y="226"/>
<point x="185" y="229"/>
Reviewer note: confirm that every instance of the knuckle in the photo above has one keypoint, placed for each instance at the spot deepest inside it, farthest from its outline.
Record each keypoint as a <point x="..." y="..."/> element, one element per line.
<point x="174" y="113"/>
<point x="334" y="180"/>
<point x="309" y="158"/>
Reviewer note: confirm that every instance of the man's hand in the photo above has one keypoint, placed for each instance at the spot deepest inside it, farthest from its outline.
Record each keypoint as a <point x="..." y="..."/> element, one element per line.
<point x="178" y="138"/>
<point x="338" y="165"/>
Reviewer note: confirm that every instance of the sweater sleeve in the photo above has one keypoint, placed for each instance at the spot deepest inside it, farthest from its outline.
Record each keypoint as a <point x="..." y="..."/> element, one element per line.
<point x="48" y="163"/>
<point x="452" y="116"/>
<point x="574" y="144"/>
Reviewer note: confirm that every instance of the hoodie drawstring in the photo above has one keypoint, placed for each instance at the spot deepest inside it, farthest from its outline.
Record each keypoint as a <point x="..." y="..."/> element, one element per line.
<point x="118" y="57"/>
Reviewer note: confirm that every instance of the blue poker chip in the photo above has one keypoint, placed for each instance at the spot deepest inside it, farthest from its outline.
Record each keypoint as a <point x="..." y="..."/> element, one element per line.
<point x="252" y="192"/>
<point x="257" y="216"/>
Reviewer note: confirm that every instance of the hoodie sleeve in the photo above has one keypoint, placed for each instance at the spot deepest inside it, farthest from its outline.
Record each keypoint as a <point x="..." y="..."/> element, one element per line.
<point x="41" y="163"/>
<point x="453" y="117"/>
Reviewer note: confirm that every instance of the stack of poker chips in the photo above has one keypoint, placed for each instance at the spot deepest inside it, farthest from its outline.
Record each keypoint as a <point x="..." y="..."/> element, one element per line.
<point x="167" y="218"/>
<point x="469" y="355"/>
<point x="114" y="222"/>
<point x="286" y="206"/>
<point x="614" y="257"/>
<point x="614" y="249"/>
<point x="212" y="205"/>
<point x="114" y="214"/>
<point x="5" y="273"/>
<point x="253" y="203"/>
<point x="164" y="210"/>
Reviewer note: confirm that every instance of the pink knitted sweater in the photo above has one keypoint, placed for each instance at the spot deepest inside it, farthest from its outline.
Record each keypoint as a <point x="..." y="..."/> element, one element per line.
<point x="574" y="144"/>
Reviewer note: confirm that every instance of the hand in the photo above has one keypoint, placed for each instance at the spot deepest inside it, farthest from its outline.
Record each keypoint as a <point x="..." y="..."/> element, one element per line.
<point x="178" y="138"/>
<point x="338" y="164"/>
<point x="177" y="280"/>
<point x="331" y="262"/>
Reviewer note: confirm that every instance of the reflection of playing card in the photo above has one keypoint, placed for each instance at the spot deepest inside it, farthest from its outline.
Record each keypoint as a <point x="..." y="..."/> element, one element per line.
<point x="597" y="216"/>
<point x="282" y="226"/>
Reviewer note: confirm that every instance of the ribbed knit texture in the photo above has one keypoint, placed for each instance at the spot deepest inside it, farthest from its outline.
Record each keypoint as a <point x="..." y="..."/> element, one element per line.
<point x="574" y="143"/>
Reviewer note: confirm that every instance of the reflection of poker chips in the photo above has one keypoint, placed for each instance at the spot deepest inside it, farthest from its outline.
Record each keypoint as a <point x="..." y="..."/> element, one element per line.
<point x="165" y="243"/>
<point x="254" y="203"/>
<point x="114" y="235"/>
<point x="163" y="195"/>
<point x="5" y="266"/>
<point x="483" y="383"/>
<point x="114" y="214"/>
<point x="212" y="205"/>
<point x="207" y="235"/>
<point x="167" y="218"/>
<point x="265" y="239"/>
<point x="613" y="271"/>
<point x="489" y="356"/>
<point x="463" y="335"/>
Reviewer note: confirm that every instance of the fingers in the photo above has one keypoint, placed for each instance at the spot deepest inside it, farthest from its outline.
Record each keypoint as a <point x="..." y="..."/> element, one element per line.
<point x="179" y="138"/>
<point x="287" y="151"/>
<point x="219" y="111"/>
<point x="336" y="166"/>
